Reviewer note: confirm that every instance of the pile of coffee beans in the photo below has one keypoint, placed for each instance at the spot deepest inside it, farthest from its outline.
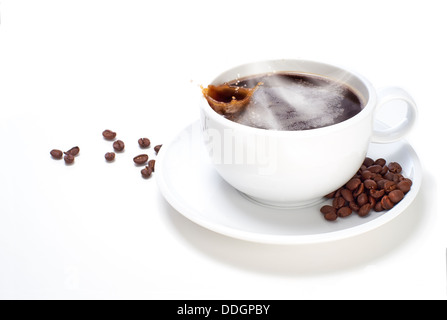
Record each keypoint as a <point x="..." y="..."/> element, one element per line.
<point x="69" y="157"/>
<point x="118" y="147"/>
<point x="377" y="186"/>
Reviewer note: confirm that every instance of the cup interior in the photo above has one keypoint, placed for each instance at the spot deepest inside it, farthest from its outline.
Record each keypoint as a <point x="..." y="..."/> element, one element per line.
<point x="355" y="81"/>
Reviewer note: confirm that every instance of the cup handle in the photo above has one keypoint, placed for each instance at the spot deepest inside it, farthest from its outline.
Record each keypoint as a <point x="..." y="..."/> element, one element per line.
<point x="395" y="133"/>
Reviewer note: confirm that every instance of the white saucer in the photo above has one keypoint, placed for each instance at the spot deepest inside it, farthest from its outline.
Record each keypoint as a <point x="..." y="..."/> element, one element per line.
<point x="190" y="184"/>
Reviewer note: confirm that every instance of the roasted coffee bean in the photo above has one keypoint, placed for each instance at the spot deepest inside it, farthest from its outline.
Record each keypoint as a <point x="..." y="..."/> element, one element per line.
<point x="360" y="189"/>
<point x="347" y="195"/>
<point x="109" y="134"/>
<point x="389" y="175"/>
<point x="375" y="168"/>
<point x="368" y="162"/>
<point x="354" y="206"/>
<point x="344" y="212"/>
<point x="332" y="216"/>
<point x="146" y="172"/>
<point x="330" y="195"/>
<point x="384" y="170"/>
<point x="338" y="202"/>
<point x="381" y="162"/>
<point x="328" y="209"/>
<point x="376" y="194"/>
<point x="151" y="165"/>
<point x="404" y="185"/>
<point x="69" y="159"/>
<point x="141" y="159"/>
<point x="367" y="175"/>
<point x="73" y="151"/>
<point x="364" y="210"/>
<point x="381" y="183"/>
<point x="157" y="148"/>
<point x="370" y="184"/>
<point x="56" y="154"/>
<point x="362" y="199"/>
<point x="389" y="186"/>
<point x="110" y="156"/>
<point x="396" y="195"/>
<point x="394" y="167"/>
<point x="353" y="184"/>
<point x="386" y="203"/>
<point x="118" y="145"/>
<point x="378" y="207"/>
<point x="372" y="201"/>
<point x="144" y="142"/>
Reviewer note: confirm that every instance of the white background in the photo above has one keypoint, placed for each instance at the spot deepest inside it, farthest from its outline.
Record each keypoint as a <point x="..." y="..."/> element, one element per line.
<point x="70" y="69"/>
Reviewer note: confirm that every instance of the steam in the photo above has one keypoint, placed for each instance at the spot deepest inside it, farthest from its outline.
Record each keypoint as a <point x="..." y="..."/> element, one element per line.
<point x="285" y="103"/>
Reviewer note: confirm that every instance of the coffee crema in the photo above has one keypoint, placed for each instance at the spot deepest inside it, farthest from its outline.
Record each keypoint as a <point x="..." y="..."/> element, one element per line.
<point x="285" y="101"/>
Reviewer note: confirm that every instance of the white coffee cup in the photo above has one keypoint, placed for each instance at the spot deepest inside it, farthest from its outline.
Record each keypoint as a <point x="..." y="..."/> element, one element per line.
<point x="298" y="168"/>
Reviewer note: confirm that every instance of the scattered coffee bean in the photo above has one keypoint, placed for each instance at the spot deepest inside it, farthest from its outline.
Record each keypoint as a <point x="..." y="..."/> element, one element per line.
<point x="109" y="134"/>
<point x="151" y="164"/>
<point x="73" y="151"/>
<point x="144" y="142"/>
<point x="376" y="186"/>
<point x="56" y="154"/>
<point x="110" y="156"/>
<point x="141" y="159"/>
<point x="118" y="145"/>
<point x="69" y="159"/>
<point x="146" y="172"/>
<point x="157" y="148"/>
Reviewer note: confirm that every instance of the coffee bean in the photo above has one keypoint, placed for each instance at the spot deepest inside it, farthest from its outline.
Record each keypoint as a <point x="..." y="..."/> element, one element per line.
<point x="338" y="202"/>
<point x="353" y="184"/>
<point x="146" y="172"/>
<point x="151" y="165"/>
<point x="364" y="210"/>
<point x="157" y="148"/>
<point x="394" y="167"/>
<point x="141" y="159"/>
<point x="118" y="145"/>
<point x="389" y="186"/>
<point x="370" y="184"/>
<point x="376" y="194"/>
<point x="386" y="203"/>
<point x="347" y="195"/>
<point x="56" y="154"/>
<point x="381" y="162"/>
<point x="375" y="168"/>
<point x="362" y="199"/>
<point x="73" y="151"/>
<point x="109" y="134"/>
<point x="327" y="209"/>
<point x="144" y="142"/>
<point x="69" y="159"/>
<point x="404" y="185"/>
<point x="331" y="216"/>
<point x="360" y="189"/>
<point x="354" y="206"/>
<point x="110" y="156"/>
<point x="396" y="195"/>
<point x="368" y="162"/>
<point x="344" y="212"/>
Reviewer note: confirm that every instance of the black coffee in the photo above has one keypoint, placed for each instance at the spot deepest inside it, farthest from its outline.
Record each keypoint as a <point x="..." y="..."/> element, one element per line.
<point x="294" y="101"/>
